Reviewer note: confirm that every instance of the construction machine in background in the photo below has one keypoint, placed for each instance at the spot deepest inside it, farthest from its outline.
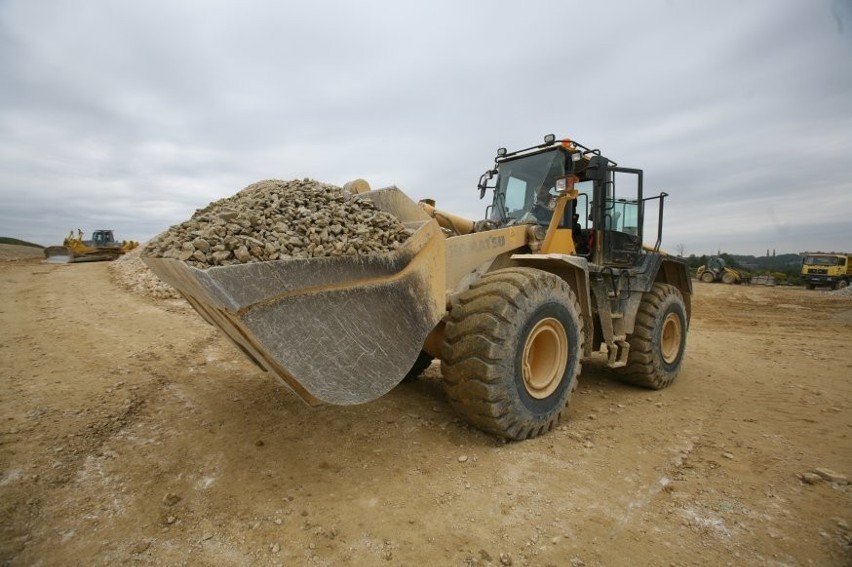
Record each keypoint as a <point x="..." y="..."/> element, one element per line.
<point x="831" y="270"/>
<point x="716" y="270"/>
<point x="511" y="304"/>
<point x="102" y="246"/>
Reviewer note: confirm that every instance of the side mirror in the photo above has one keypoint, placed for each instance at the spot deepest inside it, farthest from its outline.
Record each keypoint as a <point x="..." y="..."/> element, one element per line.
<point x="483" y="181"/>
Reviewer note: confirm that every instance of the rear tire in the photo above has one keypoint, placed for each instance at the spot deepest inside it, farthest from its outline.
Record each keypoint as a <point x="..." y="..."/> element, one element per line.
<point x="707" y="277"/>
<point x="512" y="352"/>
<point x="658" y="341"/>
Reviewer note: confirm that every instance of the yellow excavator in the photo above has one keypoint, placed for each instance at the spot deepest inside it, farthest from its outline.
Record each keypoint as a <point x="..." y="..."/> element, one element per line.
<point x="511" y="304"/>
<point x="102" y="246"/>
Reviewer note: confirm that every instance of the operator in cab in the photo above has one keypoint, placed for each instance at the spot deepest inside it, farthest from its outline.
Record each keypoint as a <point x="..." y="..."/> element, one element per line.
<point x="545" y="202"/>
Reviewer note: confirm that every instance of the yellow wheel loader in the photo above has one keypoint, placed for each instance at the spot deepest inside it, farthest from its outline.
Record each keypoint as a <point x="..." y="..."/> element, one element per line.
<point x="555" y="274"/>
<point x="716" y="270"/>
<point x="102" y="246"/>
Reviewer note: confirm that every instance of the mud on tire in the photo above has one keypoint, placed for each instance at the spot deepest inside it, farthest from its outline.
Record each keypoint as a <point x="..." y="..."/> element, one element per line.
<point x="659" y="339"/>
<point x="512" y="352"/>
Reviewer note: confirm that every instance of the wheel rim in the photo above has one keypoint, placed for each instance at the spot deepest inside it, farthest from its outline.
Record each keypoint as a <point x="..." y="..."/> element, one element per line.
<point x="672" y="335"/>
<point x="544" y="359"/>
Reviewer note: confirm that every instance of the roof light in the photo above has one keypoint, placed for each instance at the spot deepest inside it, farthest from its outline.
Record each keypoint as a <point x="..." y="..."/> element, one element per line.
<point x="549" y="139"/>
<point x="501" y="152"/>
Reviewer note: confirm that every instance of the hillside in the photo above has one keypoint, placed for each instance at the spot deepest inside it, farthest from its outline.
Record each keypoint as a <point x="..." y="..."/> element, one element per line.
<point x="17" y="242"/>
<point x="778" y="263"/>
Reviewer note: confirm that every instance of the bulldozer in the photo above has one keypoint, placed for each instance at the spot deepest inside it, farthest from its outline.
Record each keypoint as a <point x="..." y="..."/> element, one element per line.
<point x="555" y="274"/>
<point x="716" y="270"/>
<point x="102" y="246"/>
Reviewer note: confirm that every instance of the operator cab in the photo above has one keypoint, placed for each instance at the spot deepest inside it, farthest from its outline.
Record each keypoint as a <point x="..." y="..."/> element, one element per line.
<point x="102" y="238"/>
<point x="608" y="205"/>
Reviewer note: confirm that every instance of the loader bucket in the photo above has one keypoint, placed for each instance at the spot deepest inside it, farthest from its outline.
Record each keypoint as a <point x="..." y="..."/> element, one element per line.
<point x="340" y="330"/>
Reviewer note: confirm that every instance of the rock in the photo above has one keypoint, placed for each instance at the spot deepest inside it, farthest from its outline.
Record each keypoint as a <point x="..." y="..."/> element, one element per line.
<point x="505" y="559"/>
<point x="810" y="478"/>
<point x="463" y="458"/>
<point x="831" y="476"/>
<point x="242" y="254"/>
<point x="171" y="499"/>
<point x="201" y="245"/>
<point x="141" y="546"/>
<point x="274" y="219"/>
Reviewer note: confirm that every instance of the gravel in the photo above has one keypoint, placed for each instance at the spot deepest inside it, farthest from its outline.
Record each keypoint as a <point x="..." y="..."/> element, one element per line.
<point x="130" y="273"/>
<point x="273" y="220"/>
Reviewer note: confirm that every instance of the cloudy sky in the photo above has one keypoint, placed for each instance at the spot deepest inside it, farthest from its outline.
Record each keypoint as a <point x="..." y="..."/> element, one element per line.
<point x="130" y="115"/>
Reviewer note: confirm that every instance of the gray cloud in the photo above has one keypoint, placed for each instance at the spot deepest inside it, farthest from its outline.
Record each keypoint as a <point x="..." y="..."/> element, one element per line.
<point x="131" y="116"/>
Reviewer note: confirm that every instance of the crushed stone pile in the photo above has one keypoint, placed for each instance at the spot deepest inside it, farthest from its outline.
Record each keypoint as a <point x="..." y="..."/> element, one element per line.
<point x="846" y="291"/>
<point x="274" y="219"/>
<point x="131" y="273"/>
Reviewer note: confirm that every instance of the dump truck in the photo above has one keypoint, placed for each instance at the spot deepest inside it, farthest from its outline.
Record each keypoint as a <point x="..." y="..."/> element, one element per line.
<point x="716" y="270"/>
<point x="555" y="274"/>
<point x="821" y="269"/>
<point x="102" y="246"/>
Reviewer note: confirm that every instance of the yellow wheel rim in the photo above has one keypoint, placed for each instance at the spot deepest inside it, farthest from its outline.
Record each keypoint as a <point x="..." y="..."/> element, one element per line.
<point x="545" y="357"/>
<point x="672" y="336"/>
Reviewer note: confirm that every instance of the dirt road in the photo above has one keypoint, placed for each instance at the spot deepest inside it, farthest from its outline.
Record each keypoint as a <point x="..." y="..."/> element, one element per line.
<point x="131" y="432"/>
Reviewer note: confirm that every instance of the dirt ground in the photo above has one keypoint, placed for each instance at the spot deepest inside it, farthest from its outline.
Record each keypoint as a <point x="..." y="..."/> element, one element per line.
<point x="131" y="432"/>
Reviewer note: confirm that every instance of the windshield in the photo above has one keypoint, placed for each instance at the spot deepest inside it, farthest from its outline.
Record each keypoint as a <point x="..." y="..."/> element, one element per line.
<point x="525" y="188"/>
<point x="823" y="261"/>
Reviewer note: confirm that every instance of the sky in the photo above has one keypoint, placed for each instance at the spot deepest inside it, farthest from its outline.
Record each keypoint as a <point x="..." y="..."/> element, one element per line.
<point x="131" y="115"/>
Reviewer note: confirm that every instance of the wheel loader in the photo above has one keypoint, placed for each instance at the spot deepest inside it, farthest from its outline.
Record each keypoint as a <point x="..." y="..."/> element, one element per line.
<point x="555" y="274"/>
<point x="716" y="270"/>
<point x="102" y="246"/>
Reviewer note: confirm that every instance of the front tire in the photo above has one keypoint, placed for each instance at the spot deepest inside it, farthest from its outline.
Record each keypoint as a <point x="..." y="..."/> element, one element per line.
<point x="512" y="352"/>
<point x="658" y="341"/>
